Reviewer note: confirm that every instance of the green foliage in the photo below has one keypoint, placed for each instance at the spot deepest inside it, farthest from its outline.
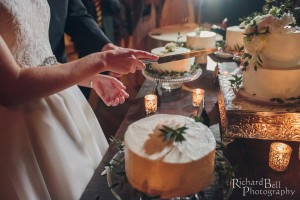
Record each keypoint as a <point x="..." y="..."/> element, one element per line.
<point x="276" y="8"/>
<point x="171" y="74"/>
<point x="279" y="7"/>
<point x="221" y="44"/>
<point x="198" y="30"/>
<point x="236" y="82"/>
<point x="198" y="118"/>
<point x="249" y="19"/>
<point x="258" y="61"/>
<point x="176" y="135"/>
<point x="178" y="44"/>
<point x="118" y="144"/>
<point x="279" y="100"/>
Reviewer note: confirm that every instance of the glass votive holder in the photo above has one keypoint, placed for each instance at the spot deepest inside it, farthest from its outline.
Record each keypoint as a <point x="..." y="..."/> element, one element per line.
<point x="198" y="97"/>
<point x="279" y="157"/>
<point x="150" y="103"/>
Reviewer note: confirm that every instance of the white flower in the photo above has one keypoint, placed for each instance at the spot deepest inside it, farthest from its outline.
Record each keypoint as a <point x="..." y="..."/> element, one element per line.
<point x="242" y="25"/>
<point x="280" y="25"/>
<point x="170" y="47"/>
<point x="264" y="23"/>
<point x="258" y="18"/>
<point x="287" y="19"/>
<point x="249" y="29"/>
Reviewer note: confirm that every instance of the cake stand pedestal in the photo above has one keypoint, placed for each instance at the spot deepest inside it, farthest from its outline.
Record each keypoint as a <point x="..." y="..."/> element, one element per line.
<point x="243" y="118"/>
<point x="173" y="82"/>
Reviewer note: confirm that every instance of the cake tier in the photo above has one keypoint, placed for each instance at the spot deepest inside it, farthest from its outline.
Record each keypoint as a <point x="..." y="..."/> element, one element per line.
<point x="175" y="66"/>
<point x="281" y="51"/>
<point x="265" y="84"/>
<point x="234" y="37"/>
<point x="169" y="169"/>
<point x="205" y="39"/>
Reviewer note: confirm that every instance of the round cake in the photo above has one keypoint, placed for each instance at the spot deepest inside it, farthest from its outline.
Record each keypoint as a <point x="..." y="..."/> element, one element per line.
<point x="201" y="40"/>
<point x="167" y="168"/>
<point x="234" y="37"/>
<point x="274" y="66"/>
<point x="206" y="39"/>
<point x="174" y="66"/>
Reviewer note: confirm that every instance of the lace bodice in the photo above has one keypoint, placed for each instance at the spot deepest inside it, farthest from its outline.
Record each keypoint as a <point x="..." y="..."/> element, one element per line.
<point x="24" y="28"/>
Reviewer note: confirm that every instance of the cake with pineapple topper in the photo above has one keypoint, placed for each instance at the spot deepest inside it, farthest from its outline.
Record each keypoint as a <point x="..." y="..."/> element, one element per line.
<point x="169" y="156"/>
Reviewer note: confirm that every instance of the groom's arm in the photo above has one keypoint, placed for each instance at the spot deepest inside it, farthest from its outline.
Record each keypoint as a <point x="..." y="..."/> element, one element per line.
<point x="84" y="30"/>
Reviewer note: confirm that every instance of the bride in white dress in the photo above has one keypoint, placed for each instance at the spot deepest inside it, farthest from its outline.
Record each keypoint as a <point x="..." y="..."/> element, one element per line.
<point x="50" y="139"/>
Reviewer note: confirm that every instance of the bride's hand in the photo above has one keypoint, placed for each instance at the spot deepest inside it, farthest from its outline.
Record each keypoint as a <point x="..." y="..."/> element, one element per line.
<point x="123" y="61"/>
<point x="109" y="89"/>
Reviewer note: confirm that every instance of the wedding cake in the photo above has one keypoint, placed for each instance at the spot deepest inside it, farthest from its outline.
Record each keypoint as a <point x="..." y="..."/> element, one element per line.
<point x="168" y="167"/>
<point x="272" y="59"/>
<point x="234" y="37"/>
<point x="174" y="66"/>
<point x="201" y="40"/>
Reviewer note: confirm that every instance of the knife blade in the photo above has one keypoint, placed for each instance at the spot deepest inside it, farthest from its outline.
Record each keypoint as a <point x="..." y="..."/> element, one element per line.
<point x="171" y="58"/>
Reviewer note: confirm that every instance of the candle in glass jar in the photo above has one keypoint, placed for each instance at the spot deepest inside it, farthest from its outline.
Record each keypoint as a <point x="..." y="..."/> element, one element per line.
<point x="279" y="157"/>
<point x="198" y="97"/>
<point x="150" y="103"/>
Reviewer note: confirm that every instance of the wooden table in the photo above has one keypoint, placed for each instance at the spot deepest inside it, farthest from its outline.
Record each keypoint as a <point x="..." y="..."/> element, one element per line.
<point x="251" y="156"/>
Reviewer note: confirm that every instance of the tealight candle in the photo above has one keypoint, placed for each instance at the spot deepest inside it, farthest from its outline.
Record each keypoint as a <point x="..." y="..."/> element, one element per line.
<point x="225" y="73"/>
<point x="279" y="156"/>
<point x="198" y="97"/>
<point x="150" y="103"/>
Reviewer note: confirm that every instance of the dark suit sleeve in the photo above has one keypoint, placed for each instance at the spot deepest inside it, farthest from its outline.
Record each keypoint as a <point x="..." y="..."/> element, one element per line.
<point x="84" y="30"/>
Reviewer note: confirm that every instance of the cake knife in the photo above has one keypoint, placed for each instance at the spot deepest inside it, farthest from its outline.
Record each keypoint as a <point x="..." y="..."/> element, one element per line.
<point x="171" y="58"/>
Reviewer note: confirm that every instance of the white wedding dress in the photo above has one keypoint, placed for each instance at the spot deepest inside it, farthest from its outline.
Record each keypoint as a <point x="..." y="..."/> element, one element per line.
<point x="50" y="147"/>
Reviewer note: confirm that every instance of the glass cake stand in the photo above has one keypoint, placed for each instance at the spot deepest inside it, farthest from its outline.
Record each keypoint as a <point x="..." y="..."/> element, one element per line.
<point x="172" y="81"/>
<point x="220" y="189"/>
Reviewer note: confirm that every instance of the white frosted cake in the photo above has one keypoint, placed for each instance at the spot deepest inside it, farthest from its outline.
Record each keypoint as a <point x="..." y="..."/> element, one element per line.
<point x="166" y="168"/>
<point x="274" y="69"/>
<point x="205" y="39"/>
<point x="201" y="40"/>
<point x="234" y="37"/>
<point x="175" y="66"/>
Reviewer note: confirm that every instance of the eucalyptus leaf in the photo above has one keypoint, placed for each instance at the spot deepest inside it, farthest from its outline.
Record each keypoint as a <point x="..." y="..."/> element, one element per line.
<point x="176" y="135"/>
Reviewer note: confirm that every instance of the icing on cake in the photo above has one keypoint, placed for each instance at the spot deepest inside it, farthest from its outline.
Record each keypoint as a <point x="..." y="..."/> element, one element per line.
<point x="169" y="169"/>
<point x="175" y="66"/>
